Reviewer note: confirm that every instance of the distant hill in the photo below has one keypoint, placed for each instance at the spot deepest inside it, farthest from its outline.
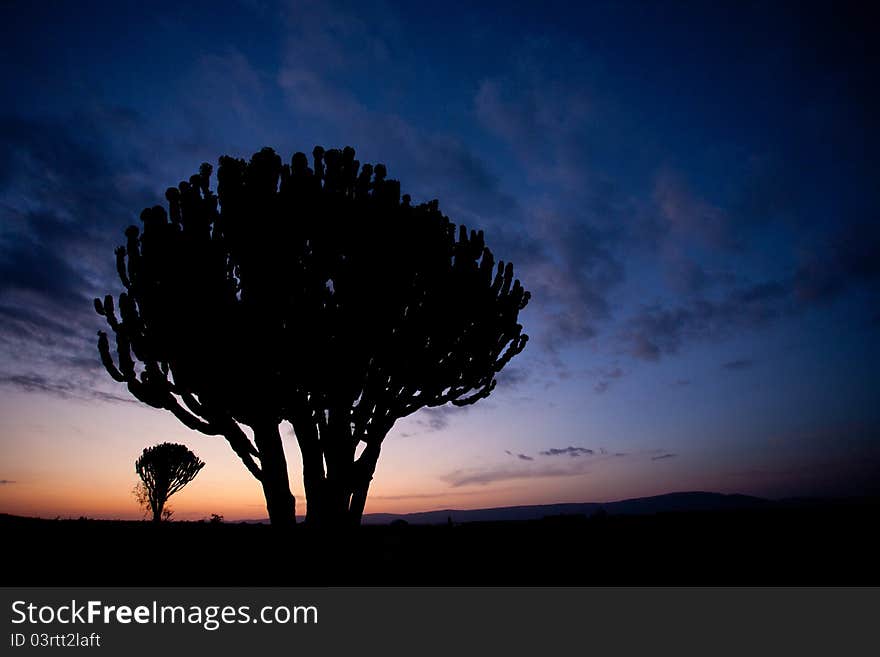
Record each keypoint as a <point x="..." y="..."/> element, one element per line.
<point x="667" y="503"/>
<point x="689" y="501"/>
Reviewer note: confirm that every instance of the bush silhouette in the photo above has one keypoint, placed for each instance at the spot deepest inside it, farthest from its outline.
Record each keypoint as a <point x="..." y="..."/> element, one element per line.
<point x="315" y="295"/>
<point x="164" y="470"/>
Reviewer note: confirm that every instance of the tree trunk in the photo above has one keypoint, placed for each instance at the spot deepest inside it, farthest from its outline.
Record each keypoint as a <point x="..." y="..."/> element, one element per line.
<point x="338" y="454"/>
<point x="335" y="499"/>
<point x="313" y="482"/>
<point x="328" y="502"/>
<point x="276" y="486"/>
<point x="365" y="468"/>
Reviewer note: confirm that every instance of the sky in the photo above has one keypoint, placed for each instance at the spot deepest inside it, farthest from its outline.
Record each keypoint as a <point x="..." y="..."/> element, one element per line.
<point x="689" y="191"/>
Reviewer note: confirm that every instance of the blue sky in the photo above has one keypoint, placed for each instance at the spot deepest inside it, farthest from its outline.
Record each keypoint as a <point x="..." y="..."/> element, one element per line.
<point x="687" y="189"/>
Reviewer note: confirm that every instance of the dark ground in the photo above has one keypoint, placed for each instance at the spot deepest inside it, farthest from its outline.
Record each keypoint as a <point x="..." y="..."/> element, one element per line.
<point x="795" y="544"/>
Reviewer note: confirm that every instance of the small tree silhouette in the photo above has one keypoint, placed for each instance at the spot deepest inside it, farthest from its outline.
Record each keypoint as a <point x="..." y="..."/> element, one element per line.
<point x="164" y="469"/>
<point x="313" y="295"/>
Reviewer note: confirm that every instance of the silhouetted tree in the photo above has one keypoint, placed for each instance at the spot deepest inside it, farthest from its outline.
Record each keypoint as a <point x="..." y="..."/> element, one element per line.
<point x="312" y="295"/>
<point x="164" y="469"/>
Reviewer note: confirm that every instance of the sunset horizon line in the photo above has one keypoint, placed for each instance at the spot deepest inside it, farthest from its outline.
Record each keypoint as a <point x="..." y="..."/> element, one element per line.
<point x="193" y="516"/>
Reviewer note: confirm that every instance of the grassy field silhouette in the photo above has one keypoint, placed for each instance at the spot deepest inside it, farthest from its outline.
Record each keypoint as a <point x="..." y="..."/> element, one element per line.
<point x="794" y="543"/>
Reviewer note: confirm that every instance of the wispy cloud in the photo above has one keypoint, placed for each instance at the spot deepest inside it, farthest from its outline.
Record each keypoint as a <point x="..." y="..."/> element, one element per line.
<point x="512" y="376"/>
<point x="657" y="330"/>
<point x="489" y="475"/>
<point x="605" y="378"/>
<point x="426" y="496"/>
<point x="582" y="462"/>
<point x="63" y="206"/>
<point x="82" y="388"/>
<point x="569" y="451"/>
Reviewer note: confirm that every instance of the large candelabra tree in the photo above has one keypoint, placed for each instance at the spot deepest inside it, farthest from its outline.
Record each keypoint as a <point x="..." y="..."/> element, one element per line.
<point x="315" y="295"/>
